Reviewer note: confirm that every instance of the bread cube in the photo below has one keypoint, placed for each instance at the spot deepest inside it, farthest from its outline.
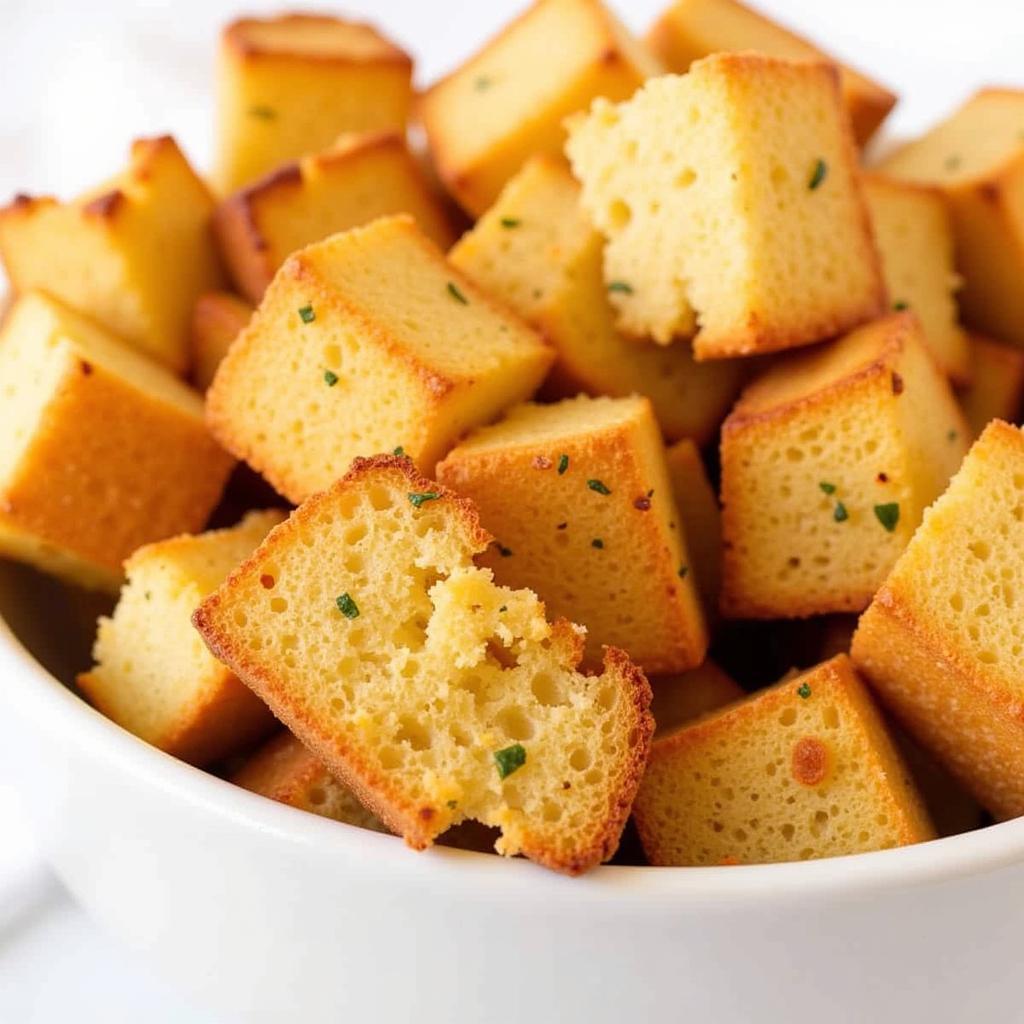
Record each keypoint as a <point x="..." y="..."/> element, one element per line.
<point x="92" y="434"/>
<point x="537" y="251"/>
<point x="700" y="518"/>
<point x="361" y="177"/>
<point x="942" y="640"/>
<point x="802" y="770"/>
<point x="578" y="496"/>
<point x="732" y="207"/>
<point x="153" y="675"/>
<point x="915" y="242"/>
<point x="976" y="156"/>
<point x="828" y="462"/>
<point x="996" y="390"/>
<point x="133" y="253"/>
<point x="689" y="695"/>
<point x="431" y="692"/>
<point x="291" y="84"/>
<point x="690" y="29"/>
<point x="217" y="319"/>
<point x="388" y="347"/>
<point x="509" y="100"/>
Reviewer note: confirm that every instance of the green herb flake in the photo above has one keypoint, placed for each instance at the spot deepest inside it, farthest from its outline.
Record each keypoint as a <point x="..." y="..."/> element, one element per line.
<point x="418" y="500"/>
<point x="597" y="543"/>
<point x="827" y="487"/>
<point x="510" y="222"/>
<point x="330" y="378"/>
<point x="563" y="464"/>
<point x="347" y="606"/>
<point x="263" y="113"/>
<point x="399" y="451"/>
<point x="620" y="286"/>
<point x="951" y="436"/>
<point x="482" y="83"/>
<point x="684" y="571"/>
<point x="953" y="162"/>
<point x="839" y="513"/>
<point x="452" y="804"/>
<point x="596" y="485"/>
<point x="900" y="305"/>
<point x="803" y="690"/>
<point x="456" y="294"/>
<point x="888" y="515"/>
<point x="307" y="314"/>
<point x="510" y="759"/>
<point x="149" y="596"/>
<point x="818" y="174"/>
<point x="503" y="608"/>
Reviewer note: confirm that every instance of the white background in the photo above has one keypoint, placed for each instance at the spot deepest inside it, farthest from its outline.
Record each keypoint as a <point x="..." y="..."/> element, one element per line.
<point x="81" y="79"/>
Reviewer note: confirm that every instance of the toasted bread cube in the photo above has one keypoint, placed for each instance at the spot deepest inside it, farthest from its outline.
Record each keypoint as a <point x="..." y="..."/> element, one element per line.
<point x="691" y="29"/>
<point x="976" y="156"/>
<point x="996" y="391"/>
<point x="942" y="640"/>
<point x="153" y="675"/>
<point x="509" y="100"/>
<point x="537" y="251"/>
<point x="291" y="84"/>
<point x="828" y="462"/>
<point x="701" y="519"/>
<point x="915" y="242"/>
<point x="434" y="694"/>
<point x="217" y="319"/>
<point x="689" y="695"/>
<point x="812" y="751"/>
<point x="388" y="347"/>
<point x="103" y="450"/>
<point x="732" y="207"/>
<point x="361" y="177"/>
<point x="578" y="496"/>
<point x="132" y="254"/>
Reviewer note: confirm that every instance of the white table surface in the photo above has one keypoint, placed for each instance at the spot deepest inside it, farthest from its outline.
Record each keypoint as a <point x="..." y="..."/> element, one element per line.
<point x="83" y="79"/>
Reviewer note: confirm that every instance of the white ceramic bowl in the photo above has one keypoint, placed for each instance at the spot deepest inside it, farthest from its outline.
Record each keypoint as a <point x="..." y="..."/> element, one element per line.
<point x="265" y="913"/>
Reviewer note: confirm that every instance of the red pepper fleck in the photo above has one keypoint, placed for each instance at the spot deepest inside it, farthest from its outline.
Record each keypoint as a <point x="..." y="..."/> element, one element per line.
<point x="643" y="504"/>
<point x="897" y="384"/>
<point x="267" y="581"/>
<point x="541" y="462"/>
<point x="882" y="478"/>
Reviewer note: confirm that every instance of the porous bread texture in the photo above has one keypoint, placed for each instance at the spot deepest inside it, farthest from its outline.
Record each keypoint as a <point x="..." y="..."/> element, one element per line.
<point x="942" y="641"/>
<point x="802" y="770"/>
<point x="91" y="433"/>
<point x="536" y="250"/>
<point x="690" y="29"/>
<point x="731" y="205"/>
<point x="509" y="100"/>
<point x="387" y="347"/>
<point x="361" y="177"/>
<point x="915" y="243"/>
<point x="289" y="84"/>
<point x="976" y="156"/>
<point x="217" y="319"/>
<point x="828" y="462"/>
<point x="153" y="675"/>
<point x="434" y="694"/>
<point x="700" y="518"/>
<point x="107" y="253"/>
<point x="689" y="695"/>
<point x="996" y="391"/>
<point x="578" y="498"/>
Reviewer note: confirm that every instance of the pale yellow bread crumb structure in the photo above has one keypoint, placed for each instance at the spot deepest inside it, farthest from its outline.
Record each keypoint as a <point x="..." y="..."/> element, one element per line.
<point x="578" y="498"/>
<point x="914" y="236"/>
<point x="690" y="29"/>
<point x="802" y="770"/>
<point x="92" y="434"/>
<point x="366" y="342"/>
<point x="133" y="253"/>
<point x="731" y="203"/>
<point x="537" y="251"/>
<point x="509" y="100"/>
<point x="290" y="84"/>
<point x="700" y="519"/>
<point x="942" y="641"/>
<point x="828" y="461"/>
<point x="153" y="674"/>
<point x="689" y="695"/>
<point x="217" y="319"/>
<point x="361" y="177"/>
<point x="996" y="391"/>
<point x="976" y="156"/>
<point x="431" y="692"/>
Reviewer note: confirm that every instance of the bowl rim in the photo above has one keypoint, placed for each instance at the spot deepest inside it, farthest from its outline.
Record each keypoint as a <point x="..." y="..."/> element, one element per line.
<point x="56" y="709"/>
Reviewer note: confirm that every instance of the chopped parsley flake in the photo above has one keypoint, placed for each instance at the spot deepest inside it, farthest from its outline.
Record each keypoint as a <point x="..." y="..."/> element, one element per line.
<point x="684" y="571"/>
<point x="398" y="451"/>
<point x="803" y="690"/>
<point x="503" y="608"/>
<point x="951" y="436"/>
<point x="330" y="378"/>
<point x="900" y="305"/>
<point x="827" y="487"/>
<point x="453" y="291"/>
<point x="563" y="464"/>
<point x="510" y="222"/>
<point x="418" y="500"/>
<point x="952" y="162"/>
<point x="818" y="174"/>
<point x="839" y="513"/>
<point x="620" y="286"/>
<point x="596" y="485"/>
<point x="482" y="82"/>
<point x="148" y="595"/>
<point x="597" y="543"/>
<point x="510" y="759"/>
<point x="307" y="314"/>
<point x="888" y="515"/>
<point x="347" y="606"/>
<point x="452" y="804"/>
<point x="263" y="113"/>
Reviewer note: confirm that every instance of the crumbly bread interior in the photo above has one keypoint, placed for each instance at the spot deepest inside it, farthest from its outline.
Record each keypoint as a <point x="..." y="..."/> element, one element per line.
<point x="435" y="694"/>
